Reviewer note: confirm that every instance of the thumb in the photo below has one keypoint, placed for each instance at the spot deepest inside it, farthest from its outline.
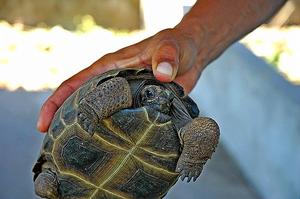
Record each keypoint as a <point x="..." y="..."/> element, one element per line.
<point x="165" y="61"/>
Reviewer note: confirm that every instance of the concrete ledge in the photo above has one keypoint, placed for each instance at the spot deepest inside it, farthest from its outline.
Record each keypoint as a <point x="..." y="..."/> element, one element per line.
<point x="259" y="115"/>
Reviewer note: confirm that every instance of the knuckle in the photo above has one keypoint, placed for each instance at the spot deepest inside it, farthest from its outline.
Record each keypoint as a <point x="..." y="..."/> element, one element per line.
<point x="106" y="56"/>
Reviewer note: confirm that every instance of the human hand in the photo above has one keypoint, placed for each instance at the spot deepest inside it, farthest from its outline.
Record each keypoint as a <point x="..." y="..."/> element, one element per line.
<point x="171" y="53"/>
<point x="178" y="54"/>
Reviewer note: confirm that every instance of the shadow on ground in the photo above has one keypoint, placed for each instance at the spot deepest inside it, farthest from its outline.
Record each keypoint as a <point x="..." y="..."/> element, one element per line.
<point x="20" y="143"/>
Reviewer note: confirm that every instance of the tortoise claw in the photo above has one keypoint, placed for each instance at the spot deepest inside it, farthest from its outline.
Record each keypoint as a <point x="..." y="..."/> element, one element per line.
<point x="189" y="175"/>
<point x="188" y="170"/>
<point x="183" y="174"/>
<point x="85" y="122"/>
<point x="197" y="174"/>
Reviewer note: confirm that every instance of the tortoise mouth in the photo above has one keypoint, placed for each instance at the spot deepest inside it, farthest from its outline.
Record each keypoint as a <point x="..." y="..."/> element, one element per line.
<point x="137" y="90"/>
<point x="165" y="105"/>
<point x="157" y="97"/>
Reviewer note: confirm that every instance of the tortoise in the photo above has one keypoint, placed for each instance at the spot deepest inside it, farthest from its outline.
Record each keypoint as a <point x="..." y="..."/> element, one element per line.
<point x="123" y="134"/>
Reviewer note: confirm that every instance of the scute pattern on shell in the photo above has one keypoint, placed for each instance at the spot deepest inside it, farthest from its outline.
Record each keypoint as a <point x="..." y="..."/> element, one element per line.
<point x="132" y="154"/>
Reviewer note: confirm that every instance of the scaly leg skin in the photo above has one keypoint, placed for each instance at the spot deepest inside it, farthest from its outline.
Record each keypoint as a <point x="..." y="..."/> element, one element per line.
<point x="200" y="139"/>
<point x="46" y="185"/>
<point x="107" y="98"/>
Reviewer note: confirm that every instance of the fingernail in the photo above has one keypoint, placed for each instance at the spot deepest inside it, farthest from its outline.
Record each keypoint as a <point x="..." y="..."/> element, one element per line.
<point x="165" y="68"/>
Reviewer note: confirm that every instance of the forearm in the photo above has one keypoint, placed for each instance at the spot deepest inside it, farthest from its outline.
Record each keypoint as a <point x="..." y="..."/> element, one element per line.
<point x="214" y="25"/>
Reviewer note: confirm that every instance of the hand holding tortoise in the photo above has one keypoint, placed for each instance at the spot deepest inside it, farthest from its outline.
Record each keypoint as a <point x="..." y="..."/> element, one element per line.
<point x="178" y="54"/>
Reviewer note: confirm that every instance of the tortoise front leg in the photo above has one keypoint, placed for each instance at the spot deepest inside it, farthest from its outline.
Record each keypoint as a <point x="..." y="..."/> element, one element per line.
<point x="200" y="138"/>
<point x="106" y="99"/>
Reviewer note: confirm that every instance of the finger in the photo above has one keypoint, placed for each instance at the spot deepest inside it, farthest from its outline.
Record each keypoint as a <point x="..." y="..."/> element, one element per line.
<point x="132" y="56"/>
<point x="127" y="57"/>
<point x="165" y="61"/>
<point x="140" y="60"/>
<point x="59" y="96"/>
<point x="188" y="79"/>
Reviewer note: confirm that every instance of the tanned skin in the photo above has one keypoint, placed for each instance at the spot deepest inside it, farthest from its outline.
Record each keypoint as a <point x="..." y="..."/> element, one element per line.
<point x="180" y="53"/>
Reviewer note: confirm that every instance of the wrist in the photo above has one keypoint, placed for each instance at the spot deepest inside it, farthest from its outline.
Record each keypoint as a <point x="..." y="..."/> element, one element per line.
<point x="209" y="42"/>
<point x="215" y="25"/>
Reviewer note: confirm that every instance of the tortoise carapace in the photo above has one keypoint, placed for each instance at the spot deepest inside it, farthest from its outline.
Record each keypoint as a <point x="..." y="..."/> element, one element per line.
<point x="123" y="134"/>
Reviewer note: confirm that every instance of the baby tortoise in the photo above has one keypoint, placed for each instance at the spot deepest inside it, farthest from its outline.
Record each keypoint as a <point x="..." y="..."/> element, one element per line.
<point x="123" y="134"/>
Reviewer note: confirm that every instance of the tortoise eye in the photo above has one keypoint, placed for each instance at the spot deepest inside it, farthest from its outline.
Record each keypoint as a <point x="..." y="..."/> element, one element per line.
<point x="149" y="93"/>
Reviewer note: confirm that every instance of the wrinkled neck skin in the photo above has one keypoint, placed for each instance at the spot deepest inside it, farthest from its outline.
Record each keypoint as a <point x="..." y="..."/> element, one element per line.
<point x="169" y="110"/>
<point x="180" y="115"/>
<point x="160" y="104"/>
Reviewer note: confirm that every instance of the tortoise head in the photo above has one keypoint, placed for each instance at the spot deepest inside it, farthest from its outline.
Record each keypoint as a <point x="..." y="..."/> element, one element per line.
<point x="157" y="97"/>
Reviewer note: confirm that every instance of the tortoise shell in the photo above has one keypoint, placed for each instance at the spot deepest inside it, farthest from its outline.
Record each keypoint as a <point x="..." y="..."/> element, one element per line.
<point x="131" y="154"/>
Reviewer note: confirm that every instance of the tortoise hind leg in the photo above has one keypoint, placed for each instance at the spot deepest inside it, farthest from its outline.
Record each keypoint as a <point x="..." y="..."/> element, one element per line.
<point x="200" y="138"/>
<point x="46" y="185"/>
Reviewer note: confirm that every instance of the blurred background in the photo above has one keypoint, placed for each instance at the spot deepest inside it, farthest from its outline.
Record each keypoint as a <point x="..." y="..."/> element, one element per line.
<point x="252" y="90"/>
